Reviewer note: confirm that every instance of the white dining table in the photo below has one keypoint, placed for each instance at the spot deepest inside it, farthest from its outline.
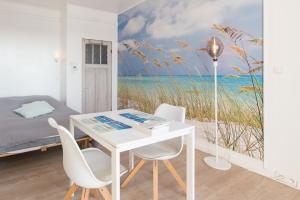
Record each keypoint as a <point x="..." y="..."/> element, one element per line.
<point x="125" y="140"/>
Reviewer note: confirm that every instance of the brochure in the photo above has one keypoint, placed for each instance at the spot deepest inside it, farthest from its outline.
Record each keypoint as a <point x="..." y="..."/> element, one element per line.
<point x="104" y="124"/>
<point x="147" y="123"/>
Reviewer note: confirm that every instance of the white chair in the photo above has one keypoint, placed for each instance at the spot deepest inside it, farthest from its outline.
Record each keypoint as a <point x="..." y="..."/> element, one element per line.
<point x="163" y="151"/>
<point x="89" y="169"/>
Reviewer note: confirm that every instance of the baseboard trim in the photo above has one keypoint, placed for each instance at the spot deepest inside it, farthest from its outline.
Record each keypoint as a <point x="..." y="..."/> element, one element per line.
<point x="246" y="162"/>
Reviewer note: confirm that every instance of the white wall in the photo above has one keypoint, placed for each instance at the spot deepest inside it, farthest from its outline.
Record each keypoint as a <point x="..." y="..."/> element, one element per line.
<point x="91" y="24"/>
<point x="28" y="38"/>
<point x="281" y="88"/>
<point x="63" y="50"/>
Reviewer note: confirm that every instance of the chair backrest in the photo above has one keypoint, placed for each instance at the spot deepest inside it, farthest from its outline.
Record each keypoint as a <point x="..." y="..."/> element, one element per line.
<point x="172" y="113"/>
<point x="74" y="163"/>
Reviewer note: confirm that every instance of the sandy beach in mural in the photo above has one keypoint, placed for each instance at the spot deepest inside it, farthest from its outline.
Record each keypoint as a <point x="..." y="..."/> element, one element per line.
<point x="238" y="137"/>
<point x="163" y="61"/>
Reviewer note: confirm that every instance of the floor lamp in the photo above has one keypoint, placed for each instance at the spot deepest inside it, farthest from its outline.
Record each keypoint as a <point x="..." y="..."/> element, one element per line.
<point x="214" y="49"/>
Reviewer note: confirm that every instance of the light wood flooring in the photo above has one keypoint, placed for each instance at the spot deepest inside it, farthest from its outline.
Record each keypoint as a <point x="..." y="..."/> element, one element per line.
<point x="40" y="176"/>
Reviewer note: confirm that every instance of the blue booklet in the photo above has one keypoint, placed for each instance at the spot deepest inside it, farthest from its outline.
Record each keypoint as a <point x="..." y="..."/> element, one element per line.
<point x="147" y="123"/>
<point x="134" y="117"/>
<point x="112" y="123"/>
<point x="146" y="119"/>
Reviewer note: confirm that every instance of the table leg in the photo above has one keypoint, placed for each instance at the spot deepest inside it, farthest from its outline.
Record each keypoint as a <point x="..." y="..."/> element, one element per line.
<point x="131" y="161"/>
<point x="115" y="163"/>
<point x="190" y="165"/>
<point x="72" y="128"/>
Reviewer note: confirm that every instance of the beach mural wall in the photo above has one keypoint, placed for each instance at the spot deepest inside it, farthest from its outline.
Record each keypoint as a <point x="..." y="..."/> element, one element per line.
<point x="162" y="59"/>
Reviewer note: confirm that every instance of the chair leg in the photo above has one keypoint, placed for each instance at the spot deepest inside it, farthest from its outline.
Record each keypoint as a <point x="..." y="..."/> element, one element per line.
<point x="155" y="180"/>
<point x="85" y="194"/>
<point x="132" y="173"/>
<point x="70" y="192"/>
<point x="95" y="193"/>
<point x="105" y="193"/>
<point x="179" y="180"/>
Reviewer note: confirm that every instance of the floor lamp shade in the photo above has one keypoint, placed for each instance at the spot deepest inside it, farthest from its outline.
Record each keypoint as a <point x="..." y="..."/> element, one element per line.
<point x="214" y="49"/>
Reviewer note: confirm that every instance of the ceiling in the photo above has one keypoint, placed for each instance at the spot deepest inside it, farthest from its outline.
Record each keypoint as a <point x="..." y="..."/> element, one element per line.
<point x="115" y="6"/>
<point x="51" y="4"/>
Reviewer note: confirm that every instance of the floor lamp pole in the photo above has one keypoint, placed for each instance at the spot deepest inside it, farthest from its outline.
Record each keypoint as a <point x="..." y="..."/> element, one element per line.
<point x="216" y="110"/>
<point x="216" y="162"/>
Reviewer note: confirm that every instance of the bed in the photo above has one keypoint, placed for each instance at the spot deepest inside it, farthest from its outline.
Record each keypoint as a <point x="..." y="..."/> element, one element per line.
<point x="19" y="135"/>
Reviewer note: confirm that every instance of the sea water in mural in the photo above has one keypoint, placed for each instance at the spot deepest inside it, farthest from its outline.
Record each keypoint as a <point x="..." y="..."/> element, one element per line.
<point x="162" y="58"/>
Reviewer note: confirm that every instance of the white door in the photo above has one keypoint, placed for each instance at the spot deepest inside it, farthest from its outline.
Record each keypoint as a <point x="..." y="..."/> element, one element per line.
<point x="97" y="95"/>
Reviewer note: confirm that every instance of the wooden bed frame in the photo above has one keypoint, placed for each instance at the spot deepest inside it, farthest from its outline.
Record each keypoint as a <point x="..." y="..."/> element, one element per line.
<point x="83" y="142"/>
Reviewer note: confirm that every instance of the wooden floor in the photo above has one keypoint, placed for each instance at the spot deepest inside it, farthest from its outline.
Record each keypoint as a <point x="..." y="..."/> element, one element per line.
<point x="40" y="176"/>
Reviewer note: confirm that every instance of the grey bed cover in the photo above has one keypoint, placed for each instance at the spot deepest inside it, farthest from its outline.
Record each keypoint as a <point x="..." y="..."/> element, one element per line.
<point x="16" y="130"/>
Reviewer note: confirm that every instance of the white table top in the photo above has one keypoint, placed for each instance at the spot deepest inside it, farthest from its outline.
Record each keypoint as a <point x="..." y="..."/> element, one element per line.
<point x="127" y="139"/>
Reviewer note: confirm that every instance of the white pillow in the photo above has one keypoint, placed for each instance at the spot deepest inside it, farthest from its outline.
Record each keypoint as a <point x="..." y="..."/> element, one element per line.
<point x="34" y="109"/>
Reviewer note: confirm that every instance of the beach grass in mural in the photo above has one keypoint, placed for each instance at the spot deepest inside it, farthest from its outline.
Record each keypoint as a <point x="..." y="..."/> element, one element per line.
<point x="162" y="59"/>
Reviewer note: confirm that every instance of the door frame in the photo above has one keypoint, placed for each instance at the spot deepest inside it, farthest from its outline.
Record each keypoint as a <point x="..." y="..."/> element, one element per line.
<point x="83" y="68"/>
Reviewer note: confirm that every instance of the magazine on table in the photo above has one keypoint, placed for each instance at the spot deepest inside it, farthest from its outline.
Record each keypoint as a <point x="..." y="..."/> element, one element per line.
<point x="104" y="124"/>
<point x="147" y="123"/>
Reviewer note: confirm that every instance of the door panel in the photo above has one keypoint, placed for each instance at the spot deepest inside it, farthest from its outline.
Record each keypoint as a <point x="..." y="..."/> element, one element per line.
<point x="90" y="90"/>
<point x="102" y="93"/>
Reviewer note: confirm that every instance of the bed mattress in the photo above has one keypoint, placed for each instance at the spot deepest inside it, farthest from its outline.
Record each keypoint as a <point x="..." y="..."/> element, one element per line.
<point x="18" y="133"/>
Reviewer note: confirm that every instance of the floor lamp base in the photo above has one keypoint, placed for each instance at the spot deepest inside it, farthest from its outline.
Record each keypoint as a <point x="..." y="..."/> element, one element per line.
<point x="221" y="164"/>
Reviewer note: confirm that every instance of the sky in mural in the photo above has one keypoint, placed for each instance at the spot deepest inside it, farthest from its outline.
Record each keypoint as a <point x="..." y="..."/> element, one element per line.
<point x="162" y="23"/>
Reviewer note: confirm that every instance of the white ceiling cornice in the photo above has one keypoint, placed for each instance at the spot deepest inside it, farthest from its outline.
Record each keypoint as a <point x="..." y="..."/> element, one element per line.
<point x="113" y="6"/>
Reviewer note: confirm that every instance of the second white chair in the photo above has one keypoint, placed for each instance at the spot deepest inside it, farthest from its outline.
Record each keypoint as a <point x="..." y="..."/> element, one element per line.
<point x="89" y="169"/>
<point x="163" y="151"/>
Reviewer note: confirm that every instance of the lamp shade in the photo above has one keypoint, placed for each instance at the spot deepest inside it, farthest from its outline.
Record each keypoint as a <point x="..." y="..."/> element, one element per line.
<point x="215" y="48"/>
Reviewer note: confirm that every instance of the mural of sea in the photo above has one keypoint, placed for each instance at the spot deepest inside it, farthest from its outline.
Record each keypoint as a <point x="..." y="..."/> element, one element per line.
<point x="163" y="59"/>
